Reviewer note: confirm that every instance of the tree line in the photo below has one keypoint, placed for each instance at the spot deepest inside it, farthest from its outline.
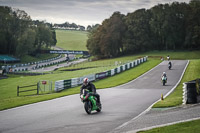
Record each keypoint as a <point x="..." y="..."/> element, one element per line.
<point x="19" y="35"/>
<point x="67" y="25"/>
<point x="70" y="26"/>
<point x="174" y="26"/>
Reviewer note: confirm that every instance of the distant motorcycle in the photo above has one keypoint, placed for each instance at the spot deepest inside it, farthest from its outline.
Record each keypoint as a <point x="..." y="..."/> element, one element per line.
<point x="169" y="65"/>
<point x="164" y="80"/>
<point x="90" y="102"/>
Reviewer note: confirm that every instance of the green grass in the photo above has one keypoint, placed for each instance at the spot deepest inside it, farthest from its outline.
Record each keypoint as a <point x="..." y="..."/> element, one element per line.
<point x="186" y="127"/>
<point x="175" y="98"/>
<point x="71" y="40"/>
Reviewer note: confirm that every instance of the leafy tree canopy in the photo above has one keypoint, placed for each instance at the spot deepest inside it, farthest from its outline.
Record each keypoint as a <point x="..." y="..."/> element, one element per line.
<point x="174" y="26"/>
<point x="19" y="35"/>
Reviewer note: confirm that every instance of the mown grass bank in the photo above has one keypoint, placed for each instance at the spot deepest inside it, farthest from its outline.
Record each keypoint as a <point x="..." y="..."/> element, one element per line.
<point x="186" y="127"/>
<point x="71" y="40"/>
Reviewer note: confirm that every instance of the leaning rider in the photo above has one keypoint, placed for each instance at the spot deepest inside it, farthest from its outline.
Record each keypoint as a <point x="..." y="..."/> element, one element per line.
<point x="91" y="87"/>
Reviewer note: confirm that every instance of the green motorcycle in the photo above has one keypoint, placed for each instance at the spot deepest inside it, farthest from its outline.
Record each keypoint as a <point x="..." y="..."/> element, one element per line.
<point x="90" y="102"/>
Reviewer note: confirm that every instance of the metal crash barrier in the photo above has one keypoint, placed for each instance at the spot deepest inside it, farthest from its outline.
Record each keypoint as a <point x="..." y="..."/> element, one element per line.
<point x="65" y="84"/>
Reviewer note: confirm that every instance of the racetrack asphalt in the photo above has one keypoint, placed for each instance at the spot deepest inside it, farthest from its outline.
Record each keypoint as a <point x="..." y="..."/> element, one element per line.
<point x="121" y="106"/>
<point x="161" y="117"/>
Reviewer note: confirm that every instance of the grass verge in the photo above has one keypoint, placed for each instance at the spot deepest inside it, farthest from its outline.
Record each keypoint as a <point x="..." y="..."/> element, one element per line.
<point x="186" y="127"/>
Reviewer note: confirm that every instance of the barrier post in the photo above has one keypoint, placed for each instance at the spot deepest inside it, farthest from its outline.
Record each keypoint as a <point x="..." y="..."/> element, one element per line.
<point x="37" y="88"/>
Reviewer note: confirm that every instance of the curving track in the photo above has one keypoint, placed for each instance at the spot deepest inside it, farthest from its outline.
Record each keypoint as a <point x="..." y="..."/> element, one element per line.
<point x="67" y="115"/>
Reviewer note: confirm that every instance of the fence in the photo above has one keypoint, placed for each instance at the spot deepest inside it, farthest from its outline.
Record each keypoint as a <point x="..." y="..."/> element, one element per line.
<point x="65" y="84"/>
<point x="42" y="87"/>
<point x="22" y="91"/>
<point x="45" y="86"/>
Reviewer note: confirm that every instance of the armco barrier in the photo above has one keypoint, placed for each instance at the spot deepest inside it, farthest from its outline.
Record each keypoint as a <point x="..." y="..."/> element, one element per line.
<point x="121" y="68"/>
<point x="131" y="64"/>
<point x="62" y="84"/>
<point x="65" y="84"/>
<point x="91" y="77"/>
<point x="112" y="72"/>
<point x="31" y="63"/>
<point x="128" y="65"/>
<point x="118" y="69"/>
<point x="101" y="75"/>
<point x="108" y="73"/>
<point x="136" y="63"/>
<point x="75" y="82"/>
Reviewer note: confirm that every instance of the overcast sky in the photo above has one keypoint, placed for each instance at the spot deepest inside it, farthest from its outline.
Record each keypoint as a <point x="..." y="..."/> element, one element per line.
<point x="81" y="12"/>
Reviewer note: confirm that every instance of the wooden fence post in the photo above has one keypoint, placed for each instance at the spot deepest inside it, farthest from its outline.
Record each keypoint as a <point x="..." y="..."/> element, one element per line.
<point x="17" y="90"/>
<point x="37" y="88"/>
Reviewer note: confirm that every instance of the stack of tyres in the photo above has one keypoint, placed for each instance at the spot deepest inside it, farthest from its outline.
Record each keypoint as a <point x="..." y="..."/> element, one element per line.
<point x="191" y="93"/>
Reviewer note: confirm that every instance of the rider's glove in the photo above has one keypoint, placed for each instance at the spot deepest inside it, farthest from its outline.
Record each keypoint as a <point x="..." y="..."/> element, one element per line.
<point x="82" y="97"/>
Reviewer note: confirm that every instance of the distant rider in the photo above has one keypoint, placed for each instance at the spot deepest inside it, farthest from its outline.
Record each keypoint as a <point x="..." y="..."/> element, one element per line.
<point x="91" y="87"/>
<point x="164" y="75"/>
<point x="168" y="58"/>
<point x="170" y="64"/>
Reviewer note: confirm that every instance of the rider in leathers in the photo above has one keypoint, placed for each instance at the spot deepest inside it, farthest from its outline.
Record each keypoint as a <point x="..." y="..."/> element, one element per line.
<point x="91" y="87"/>
<point x="164" y="75"/>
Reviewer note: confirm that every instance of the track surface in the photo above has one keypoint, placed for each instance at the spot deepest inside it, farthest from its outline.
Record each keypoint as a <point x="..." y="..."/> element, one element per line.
<point x="67" y="114"/>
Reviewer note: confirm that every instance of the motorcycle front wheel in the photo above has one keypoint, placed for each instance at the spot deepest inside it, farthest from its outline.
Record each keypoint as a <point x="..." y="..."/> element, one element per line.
<point x="88" y="107"/>
<point x="163" y="82"/>
<point x="99" y="108"/>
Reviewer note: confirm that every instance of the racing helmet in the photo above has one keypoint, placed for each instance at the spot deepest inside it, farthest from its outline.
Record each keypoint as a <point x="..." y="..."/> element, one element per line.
<point x="85" y="81"/>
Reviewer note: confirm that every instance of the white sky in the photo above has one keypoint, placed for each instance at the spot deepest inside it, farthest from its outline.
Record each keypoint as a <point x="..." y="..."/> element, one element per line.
<point x="81" y="12"/>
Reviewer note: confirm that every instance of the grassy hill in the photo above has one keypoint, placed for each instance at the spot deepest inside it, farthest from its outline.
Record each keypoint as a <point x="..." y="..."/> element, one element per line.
<point x="71" y="40"/>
